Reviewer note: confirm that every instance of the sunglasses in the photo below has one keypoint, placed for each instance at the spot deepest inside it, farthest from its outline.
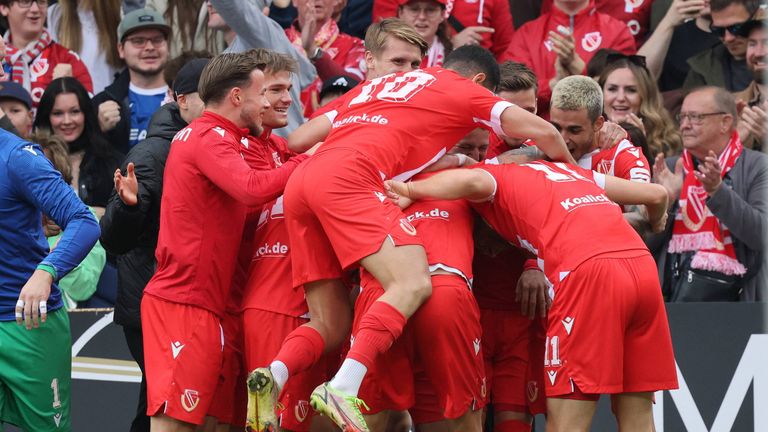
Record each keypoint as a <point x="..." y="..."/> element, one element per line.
<point x="739" y="29"/>
<point x="637" y="60"/>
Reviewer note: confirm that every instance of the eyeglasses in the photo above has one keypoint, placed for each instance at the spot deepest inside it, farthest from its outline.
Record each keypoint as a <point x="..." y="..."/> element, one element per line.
<point x="26" y="4"/>
<point x="695" y="118"/>
<point x="141" y="42"/>
<point x="430" y="11"/>
<point x="739" y="29"/>
<point x="637" y="60"/>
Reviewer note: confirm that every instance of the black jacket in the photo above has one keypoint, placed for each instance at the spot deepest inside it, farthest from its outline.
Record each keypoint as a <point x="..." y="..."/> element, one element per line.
<point x="131" y="232"/>
<point x="118" y="92"/>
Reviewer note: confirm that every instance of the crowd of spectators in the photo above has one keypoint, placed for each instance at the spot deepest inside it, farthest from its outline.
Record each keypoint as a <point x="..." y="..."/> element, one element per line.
<point x="72" y="79"/>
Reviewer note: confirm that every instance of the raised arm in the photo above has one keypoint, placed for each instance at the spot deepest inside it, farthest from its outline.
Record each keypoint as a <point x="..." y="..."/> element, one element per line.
<point x="472" y="184"/>
<point x="519" y="123"/>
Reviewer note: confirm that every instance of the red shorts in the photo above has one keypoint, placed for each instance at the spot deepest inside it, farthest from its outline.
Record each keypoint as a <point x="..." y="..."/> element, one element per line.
<point x="183" y="347"/>
<point x="436" y="368"/>
<point x="231" y="397"/>
<point x="336" y="213"/>
<point x="510" y="342"/>
<point x="608" y="330"/>
<point x="264" y="334"/>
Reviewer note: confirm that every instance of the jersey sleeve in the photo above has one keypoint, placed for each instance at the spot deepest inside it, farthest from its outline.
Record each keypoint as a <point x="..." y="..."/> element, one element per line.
<point x="631" y="164"/>
<point x="218" y="160"/>
<point x="42" y="186"/>
<point x="485" y="107"/>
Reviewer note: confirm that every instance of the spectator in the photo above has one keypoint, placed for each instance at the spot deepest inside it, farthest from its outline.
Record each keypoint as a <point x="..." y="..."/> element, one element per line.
<point x="190" y="23"/>
<point x="597" y="63"/>
<point x="334" y="87"/>
<point x="37" y="358"/>
<point x="16" y="109"/>
<point x="714" y="247"/>
<point x="630" y="94"/>
<point x="559" y="43"/>
<point x="88" y="28"/>
<point x="354" y="17"/>
<point x="752" y="118"/>
<point x="487" y="22"/>
<point x="254" y="30"/>
<point x="66" y="110"/>
<point x="427" y="17"/>
<point x="34" y="58"/>
<point x="724" y="65"/>
<point x="636" y="14"/>
<point x="315" y="34"/>
<point x="81" y="282"/>
<point x="125" y="106"/>
<point x="680" y="35"/>
<point x="172" y="69"/>
<point x="130" y="229"/>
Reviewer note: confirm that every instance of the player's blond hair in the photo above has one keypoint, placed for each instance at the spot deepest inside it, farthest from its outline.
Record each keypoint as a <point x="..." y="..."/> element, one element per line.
<point x="377" y="34"/>
<point x="576" y="92"/>
<point x="275" y="62"/>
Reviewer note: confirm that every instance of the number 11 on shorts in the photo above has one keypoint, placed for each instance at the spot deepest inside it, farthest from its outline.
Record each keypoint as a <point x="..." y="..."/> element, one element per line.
<point x="552" y="347"/>
<point x="55" y="388"/>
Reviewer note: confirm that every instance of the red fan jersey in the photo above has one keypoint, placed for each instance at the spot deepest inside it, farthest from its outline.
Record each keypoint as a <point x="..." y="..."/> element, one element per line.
<point x="404" y="122"/>
<point x="206" y="193"/>
<point x="591" y="29"/>
<point x="551" y="209"/>
<point x="635" y="13"/>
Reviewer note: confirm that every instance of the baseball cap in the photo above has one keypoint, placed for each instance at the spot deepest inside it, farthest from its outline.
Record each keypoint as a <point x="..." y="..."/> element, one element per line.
<point x="12" y="90"/>
<point x="141" y="19"/>
<point x="337" y="84"/>
<point x="188" y="76"/>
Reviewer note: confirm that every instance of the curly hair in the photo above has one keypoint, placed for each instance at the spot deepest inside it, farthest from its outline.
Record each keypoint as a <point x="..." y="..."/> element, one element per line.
<point x="661" y="132"/>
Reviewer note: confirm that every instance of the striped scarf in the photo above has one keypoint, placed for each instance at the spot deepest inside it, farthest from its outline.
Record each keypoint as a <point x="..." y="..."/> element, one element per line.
<point x="21" y="59"/>
<point x="696" y="228"/>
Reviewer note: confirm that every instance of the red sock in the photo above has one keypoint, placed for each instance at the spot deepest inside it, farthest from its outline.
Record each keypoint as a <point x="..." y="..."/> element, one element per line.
<point x="378" y="329"/>
<point x="301" y="349"/>
<point x="512" y="426"/>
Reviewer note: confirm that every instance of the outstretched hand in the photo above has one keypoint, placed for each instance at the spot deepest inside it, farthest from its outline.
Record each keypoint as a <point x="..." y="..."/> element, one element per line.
<point x="127" y="187"/>
<point x="397" y="190"/>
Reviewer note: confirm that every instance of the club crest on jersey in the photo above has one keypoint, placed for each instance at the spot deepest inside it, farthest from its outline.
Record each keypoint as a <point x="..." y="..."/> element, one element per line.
<point x="189" y="400"/>
<point x="407" y="227"/>
<point x="301" y="410"/>
<point x="532" y="391"/>
<point x="39" y="68"/>
<point x="591" y="41"/>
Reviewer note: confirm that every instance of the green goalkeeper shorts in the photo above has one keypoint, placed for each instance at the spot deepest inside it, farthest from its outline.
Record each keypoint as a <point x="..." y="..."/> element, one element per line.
<point x="35" y="374"/>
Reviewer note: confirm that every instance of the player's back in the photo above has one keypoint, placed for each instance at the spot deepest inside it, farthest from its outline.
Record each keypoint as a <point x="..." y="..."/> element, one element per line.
<point x="404" y="122"/>
<point x="559" y="213"/>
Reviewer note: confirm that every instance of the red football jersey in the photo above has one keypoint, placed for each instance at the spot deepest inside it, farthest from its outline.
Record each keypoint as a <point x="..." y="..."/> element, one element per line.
<point x="558" y="213"/>
<point x="404" y="122"/>
<point x="445" y="229"/>
<point x="207" y="189"/>
<point x="623" y="160"/>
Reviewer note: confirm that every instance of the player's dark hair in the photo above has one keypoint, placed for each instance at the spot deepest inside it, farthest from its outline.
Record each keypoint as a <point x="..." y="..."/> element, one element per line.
<point x="469" y="60"/>
<point x="225" y="72"/>
<point x="750" y="5"/>
<point x="516" y="77"/>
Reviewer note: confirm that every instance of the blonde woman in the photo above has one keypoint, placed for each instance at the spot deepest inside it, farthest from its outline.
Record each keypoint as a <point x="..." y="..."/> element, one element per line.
<point x="87" y="27"/>
<point x="189" y="23"/>
<point x="631" y="95"/>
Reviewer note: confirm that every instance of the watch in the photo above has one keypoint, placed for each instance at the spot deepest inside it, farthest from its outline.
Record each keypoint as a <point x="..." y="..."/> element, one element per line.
<point x="316" y="54"/>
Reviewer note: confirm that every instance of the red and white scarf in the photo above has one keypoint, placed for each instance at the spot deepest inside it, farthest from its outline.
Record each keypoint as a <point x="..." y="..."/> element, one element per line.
<point x="696" y="228"/>
<point x="324" y="38"/>
<point x="435" y="55"/>
<point x="21" y="59"/>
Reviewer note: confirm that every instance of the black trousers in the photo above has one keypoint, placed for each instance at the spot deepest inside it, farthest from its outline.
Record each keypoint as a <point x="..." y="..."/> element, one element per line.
<point x="135" y="341"/>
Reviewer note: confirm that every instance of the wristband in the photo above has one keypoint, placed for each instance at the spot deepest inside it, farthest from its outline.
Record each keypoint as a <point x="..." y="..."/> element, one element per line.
<point x="48" y="269"/>
<point x="462" y="158"/>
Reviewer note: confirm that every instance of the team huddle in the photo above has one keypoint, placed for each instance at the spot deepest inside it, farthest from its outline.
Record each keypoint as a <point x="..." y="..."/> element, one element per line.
<point x="252" y="297"/>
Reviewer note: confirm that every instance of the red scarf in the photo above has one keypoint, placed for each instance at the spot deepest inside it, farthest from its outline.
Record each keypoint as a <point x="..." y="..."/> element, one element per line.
<point x="696" y="228"/>
<point x="22" y="59"/>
